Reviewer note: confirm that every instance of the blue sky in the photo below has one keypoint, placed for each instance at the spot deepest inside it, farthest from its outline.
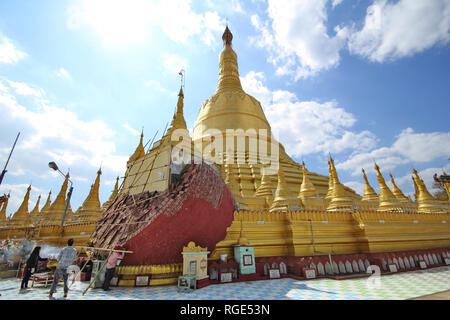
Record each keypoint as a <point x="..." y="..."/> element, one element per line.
<point x="364" y="80"/>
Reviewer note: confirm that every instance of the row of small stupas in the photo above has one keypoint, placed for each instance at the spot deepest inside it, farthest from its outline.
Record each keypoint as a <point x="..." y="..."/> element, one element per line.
<point x="52" y="213"/>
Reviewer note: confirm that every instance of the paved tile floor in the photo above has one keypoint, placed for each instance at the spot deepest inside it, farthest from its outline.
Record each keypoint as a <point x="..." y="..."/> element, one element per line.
<point x="392" y="287"/>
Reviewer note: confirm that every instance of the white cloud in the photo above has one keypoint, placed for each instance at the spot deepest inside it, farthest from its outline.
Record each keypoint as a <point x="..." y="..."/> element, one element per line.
<point x="63" y="73"/>
<point x="52" y="133"/>
<point x="8" y="52"/>
<point x="236" y="6"/>
<point x="357" y="186"/>
<point x="130" y="129"/>
<point x="394" y="30"/>
<point x="306" y="127"/>
<point x="25" y="90"/>
<point x="159" y="87"/>
<point x="297" y="36"/>
<point x="335" y="3"/>
<point x="297" y="39"/>
<point x="174" y="63"/>
<point x="409" y="148"/>
<point x="126" y="21"/>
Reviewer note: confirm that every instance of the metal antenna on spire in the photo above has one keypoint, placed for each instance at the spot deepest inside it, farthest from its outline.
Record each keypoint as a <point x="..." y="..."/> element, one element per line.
<point x="182" y="75"/>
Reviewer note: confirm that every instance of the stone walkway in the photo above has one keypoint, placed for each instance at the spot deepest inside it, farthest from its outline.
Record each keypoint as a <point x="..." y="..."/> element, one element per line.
<point x="399" y="286"/>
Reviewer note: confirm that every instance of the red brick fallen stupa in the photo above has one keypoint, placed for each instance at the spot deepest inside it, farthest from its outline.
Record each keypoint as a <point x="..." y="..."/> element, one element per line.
<point x="157" y="225"/>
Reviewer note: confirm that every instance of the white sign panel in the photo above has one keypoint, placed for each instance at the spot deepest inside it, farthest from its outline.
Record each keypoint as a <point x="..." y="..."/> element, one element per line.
<point x="226" y="277"/>
<point x="142" y="281"/>
<point x="274" y="273"/>
<point x="310" y="273"/>
<point x="447" y="261"/>
<point x="393" y="268"/>
<point x="423" y="264"/>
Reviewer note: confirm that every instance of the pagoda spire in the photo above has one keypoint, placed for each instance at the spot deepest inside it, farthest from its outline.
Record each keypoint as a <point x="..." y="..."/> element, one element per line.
<point x="281" y="200"/>
<point x="178" y="121"/>
<point x="228" y="66"/>
<point x="139" y="152"/>
<point x="227" y="37"/>
<point x="47" y="203"/>
<point x="340" y="201"/>
<point x="112" y="196"/>
<point x="388" y="202"/>
<point x="330" y="182"/>
<point x="397" y="192"/>
<point x="22" y="213"/>
<point x="369" y="193"/>
<point x="307" y="189"/>
<point x="57" y="208"/>
<point x="416" y="189"/>
<point x="35" y="211"/>
<point x="425" y="201"/>
<point x="91" y="205"/>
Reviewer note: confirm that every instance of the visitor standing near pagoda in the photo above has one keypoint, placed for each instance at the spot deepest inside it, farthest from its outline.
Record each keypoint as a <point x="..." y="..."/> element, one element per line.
<point x="65" y="259"/>
<point x="31" y="266"/>
<point x="111" y="266"/>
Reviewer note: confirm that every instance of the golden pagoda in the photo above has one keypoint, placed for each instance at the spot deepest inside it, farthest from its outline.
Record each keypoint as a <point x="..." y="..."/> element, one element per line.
<point x="233" y="115"/>
<point x="281" y="202"/>
<point x="340" y="200"/>
<point x="266" y="189"/>
<point x="330" y="183"/>
<point x="397" y="192"/>
<point x="35" y="212"/>
<point x="308" y="195"/>
<point x="22" y="217"/>
<point x="139" y="152"/>
<point x="369" y="193"/>
<point x="388" y="202"/>
<point x="425" y="201"/>
<point x="112" y="196"/>
<point x="307" y="189"/>
<point x="416" y="189"/>
<point x="56" y="211"/>
<point x="91" y="207"/>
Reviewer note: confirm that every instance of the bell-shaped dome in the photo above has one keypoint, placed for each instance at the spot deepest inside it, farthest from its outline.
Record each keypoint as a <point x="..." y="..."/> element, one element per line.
<point x="230" y="107"/>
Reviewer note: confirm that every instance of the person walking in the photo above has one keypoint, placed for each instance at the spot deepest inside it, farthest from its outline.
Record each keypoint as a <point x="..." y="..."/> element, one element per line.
<point x="31" y="266"/>
<point x="65" y="259"/>
<point x="111" y="266"/>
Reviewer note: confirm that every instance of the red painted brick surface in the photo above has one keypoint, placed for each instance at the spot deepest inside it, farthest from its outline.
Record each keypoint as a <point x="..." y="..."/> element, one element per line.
<point x="156" y="226"/>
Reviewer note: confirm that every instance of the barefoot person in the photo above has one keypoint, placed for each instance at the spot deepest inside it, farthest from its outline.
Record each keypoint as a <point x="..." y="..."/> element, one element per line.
<point x="65" y="259"/>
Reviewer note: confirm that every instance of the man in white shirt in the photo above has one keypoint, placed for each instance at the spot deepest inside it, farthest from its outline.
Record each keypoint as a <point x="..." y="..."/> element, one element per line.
<point x="65" y="259"/>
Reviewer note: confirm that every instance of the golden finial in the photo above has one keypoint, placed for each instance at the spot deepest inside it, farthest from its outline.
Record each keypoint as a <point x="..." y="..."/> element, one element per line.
<point x="227" y="36"/>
